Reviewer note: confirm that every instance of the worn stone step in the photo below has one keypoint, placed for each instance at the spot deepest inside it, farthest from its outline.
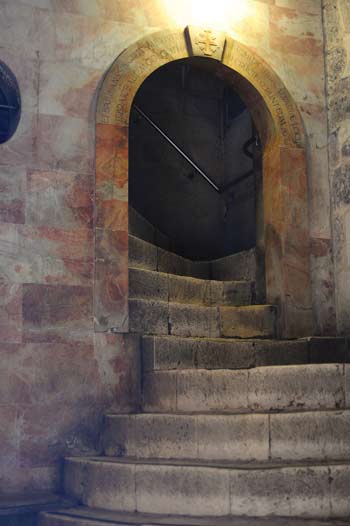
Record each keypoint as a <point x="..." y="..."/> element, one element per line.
<point x="237" y="267"/>
<point x="162" y="318"/>
<point x="171" y="352"/>
<point x="210" y="489"/>
<point x="316" y="435"/>
<point x="147" y="256"/>
<point x="148" y="284"/>
<point x="275" y="388"/>
<point x="83" y="516"/>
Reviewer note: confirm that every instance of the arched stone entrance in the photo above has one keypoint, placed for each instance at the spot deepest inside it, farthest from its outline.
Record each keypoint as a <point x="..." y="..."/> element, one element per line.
<point x="285" y="236"/>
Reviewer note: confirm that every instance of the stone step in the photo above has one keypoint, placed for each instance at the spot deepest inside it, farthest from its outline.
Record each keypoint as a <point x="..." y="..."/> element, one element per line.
<point x="275" y="388"/>
<point x="237" y="267"/>
<point x="177" y="319"/>
<point x="152" y="285"/>
<point x="171" y="352"/>
<point x="316" y="436"/>
<point x="147" y="256"/>
<point x="83" y="516"/>
<point x="210" y="489"/>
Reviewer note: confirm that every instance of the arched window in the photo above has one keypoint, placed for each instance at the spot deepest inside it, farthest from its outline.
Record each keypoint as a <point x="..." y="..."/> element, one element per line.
<point x="10" y="103"/>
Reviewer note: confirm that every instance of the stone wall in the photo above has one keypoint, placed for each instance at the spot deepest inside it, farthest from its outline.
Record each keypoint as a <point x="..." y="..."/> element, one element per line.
<point x="337" y="35"/>
<point x="57" y="376"/>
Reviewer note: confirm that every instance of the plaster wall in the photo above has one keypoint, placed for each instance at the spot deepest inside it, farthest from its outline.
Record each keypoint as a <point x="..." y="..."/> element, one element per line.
<point x="56" y="374"/>
<point x="337" y="32"/>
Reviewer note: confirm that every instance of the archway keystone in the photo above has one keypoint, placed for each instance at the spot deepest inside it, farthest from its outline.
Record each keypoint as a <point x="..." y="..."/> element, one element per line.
<point x="285" y="203"/>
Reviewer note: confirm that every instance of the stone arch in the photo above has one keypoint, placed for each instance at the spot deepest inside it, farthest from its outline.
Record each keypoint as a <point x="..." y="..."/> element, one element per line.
<point x="285" y="202"/>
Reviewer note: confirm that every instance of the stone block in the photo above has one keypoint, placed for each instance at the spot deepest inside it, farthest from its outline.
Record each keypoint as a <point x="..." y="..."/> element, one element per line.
<point x="148" y="317"/>
<point x="315" y="435"/>
<point x="248" y="322"/>
<point x="241" y="266"/>
<point x="241" y="438"/>
<point x="101" y="484"/>
<point x="296" y="387"/>
<point x="195" y="491"/>
<point x="286" y="492"/>
<point x="142" y="254"/>
<point x="189" y="290"/>
<point x="223" y="354"/>
<point x="339" y="479"/>
<point x="171" y="263"/>
<point x="159" y="392"/>
<point x="145" y="284"/>
<point x="191" y="321"/>
<point x="237" y="293"/>
<point x="163" y="353"/>
<point x="10" y="312"/>
<point x="151" y="436"/>
<point x="208" y="391"/>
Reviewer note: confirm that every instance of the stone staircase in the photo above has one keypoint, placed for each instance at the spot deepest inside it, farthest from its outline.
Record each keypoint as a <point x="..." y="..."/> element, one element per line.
<point x="236" y="427"/>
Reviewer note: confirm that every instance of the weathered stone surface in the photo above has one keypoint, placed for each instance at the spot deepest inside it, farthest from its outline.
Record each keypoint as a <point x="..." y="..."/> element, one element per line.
<point x="297" y="387"/>
<point x="142" y="254"/>
<point x="148" y="317"/>
<point x="240" y="266"/>
<point x="196" y="491"/>
<point x="151" y="436"/>
<point x="202" y="391"/>
<point x="315" y="435"/>
<point x="101" y="484"/>
<point x="248" y="322"/>
<point x="289" y="491"/>
<point x="159" y="392"/>
<point x="190" y="320"/>
<point x="145" y="284"/>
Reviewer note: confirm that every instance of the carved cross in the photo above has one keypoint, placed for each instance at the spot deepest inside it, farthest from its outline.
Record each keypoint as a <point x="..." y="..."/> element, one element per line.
<point x="207" y="42"/>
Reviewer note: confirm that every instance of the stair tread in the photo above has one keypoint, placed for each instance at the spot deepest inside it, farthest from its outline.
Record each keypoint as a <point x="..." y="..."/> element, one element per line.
<point x="193" y="306"/>
<point x="297" y="411"/>
<point x="190" y="278"/>
<point x="146" y="519"/>
<point x="199" y="463"/>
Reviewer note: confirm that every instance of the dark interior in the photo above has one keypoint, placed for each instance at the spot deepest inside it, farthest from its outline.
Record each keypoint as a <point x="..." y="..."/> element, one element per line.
<point x="191" y="101"/>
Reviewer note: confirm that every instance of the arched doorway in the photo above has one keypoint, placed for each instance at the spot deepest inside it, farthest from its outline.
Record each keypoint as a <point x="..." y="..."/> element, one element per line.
<point x="285" y="233"/>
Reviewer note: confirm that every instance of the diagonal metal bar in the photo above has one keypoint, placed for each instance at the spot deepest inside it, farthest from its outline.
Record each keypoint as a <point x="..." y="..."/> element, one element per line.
<point x="183" y="154"/>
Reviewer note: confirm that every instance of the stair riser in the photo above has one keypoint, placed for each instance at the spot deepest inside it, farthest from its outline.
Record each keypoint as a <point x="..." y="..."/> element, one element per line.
<point x="161" y="318"/>
<point x="318" y="491"/>
<point x="164" y="353"/>
<point x="292" y="388"/>
<point x="179" y="289"/>
<point x="291" y="437"/>
<point x="237" y="267"/>
<point x="146" y="256"/>
<point x="56" y="520"/>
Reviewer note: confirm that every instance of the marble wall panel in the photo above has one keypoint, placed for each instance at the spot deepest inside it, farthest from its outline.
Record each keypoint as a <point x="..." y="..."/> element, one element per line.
<point x="8" y="440"/>
<point x="59" y="199"/>
<point x="296" y="33"/>
<point x="68" y="89"/>
<point x="12" y="194"/>
<point x="57" y="313"/>
<point x="10" y="312"/>
<point x="119" y="363"/>
<point x="64" y="143"/>
<point x="21" y="148"/>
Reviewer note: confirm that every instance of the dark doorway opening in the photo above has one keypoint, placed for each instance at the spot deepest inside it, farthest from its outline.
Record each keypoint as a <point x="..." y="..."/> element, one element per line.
<point x="171" y="203"/>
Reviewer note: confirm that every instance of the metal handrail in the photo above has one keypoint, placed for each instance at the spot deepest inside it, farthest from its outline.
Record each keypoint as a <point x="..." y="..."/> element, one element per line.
<point x="217" y="188"/>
